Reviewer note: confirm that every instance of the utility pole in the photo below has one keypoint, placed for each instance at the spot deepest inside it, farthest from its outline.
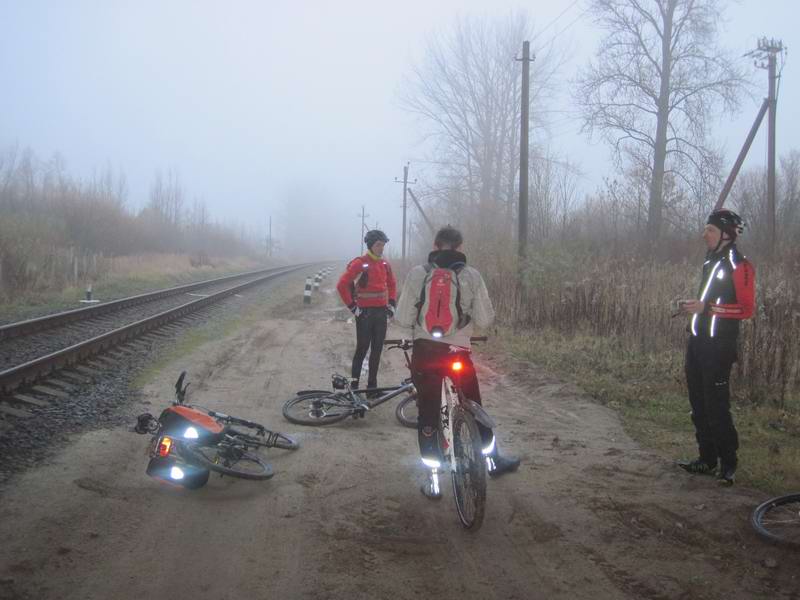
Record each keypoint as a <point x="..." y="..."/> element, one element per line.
<point x="523" y="149"/>
<point x="405" y="204"/>
<point x="269" y="247"/>
<point x="766" y="58"/>
<point x="363" y="216"/>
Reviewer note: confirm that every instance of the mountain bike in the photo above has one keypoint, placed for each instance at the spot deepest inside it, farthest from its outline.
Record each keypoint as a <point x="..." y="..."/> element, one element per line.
<point x="323" y="407"/>
<point x="461" y="445"/>
<point x="778" y="520"/>
<point x="189" y="441"/>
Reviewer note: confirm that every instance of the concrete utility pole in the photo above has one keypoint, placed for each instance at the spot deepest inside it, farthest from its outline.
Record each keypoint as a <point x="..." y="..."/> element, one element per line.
<point x="363" y="216"/>
<point x="405" y="203"/>
<point x="766" y="56"/>
<point x="523" y="149"/>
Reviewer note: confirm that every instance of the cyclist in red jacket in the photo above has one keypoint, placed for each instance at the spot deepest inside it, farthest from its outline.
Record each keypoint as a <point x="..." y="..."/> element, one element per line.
<point x="369" y="290"/>
<point x="726" y="297"/>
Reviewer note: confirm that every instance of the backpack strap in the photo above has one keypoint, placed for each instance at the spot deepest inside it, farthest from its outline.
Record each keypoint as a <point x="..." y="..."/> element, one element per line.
<point x="429" y="267"/>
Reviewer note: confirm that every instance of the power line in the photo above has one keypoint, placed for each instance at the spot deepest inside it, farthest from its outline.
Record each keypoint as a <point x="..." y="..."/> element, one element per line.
<point x="553" y="22"/>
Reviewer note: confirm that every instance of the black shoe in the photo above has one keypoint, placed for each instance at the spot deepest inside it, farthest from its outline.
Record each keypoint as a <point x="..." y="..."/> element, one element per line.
<point x="373" y="394"/>
<point x="498" y="465"/>
<point x="697" y="467"/>
<point x="727" y="475"/>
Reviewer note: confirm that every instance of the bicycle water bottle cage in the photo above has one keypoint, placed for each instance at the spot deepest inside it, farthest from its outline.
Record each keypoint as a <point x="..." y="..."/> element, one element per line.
<point x="339" y="382"/>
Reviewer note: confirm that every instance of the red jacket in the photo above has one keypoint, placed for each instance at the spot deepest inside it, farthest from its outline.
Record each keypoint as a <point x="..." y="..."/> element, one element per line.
<point x="367" y="283"/>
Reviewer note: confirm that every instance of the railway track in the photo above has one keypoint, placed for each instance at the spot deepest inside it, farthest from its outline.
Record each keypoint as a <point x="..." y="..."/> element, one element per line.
<point x="43" y="359"/>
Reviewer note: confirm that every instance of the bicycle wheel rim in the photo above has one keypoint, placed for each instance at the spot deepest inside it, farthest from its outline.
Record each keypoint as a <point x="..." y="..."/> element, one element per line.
<point x="230" y="461"/>
<point x="407" y="411"/>
<point x="778" y="520"/>
<point x="316" y="409"/>
<point x="469" y="474"/>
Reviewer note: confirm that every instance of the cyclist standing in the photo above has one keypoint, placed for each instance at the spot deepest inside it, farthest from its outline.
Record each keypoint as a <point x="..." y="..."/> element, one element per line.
<point x="727" y="296"/>
<point x="432" y="350"/>
<point x="369" y="290"/>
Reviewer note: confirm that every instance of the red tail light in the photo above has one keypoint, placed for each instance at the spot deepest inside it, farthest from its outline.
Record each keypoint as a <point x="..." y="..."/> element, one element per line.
<point x="164" y="446"/>
<point x="457" y="366"/>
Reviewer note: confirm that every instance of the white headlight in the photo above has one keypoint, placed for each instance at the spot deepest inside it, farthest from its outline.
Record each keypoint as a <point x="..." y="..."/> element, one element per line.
<point x="431" y="464"/>
<point x="436" y="333"/>
<point x="191" y="433"/>
<point x="176" y="473"/>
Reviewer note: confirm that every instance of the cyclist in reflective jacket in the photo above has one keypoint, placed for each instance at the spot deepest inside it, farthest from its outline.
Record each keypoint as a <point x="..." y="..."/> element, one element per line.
<point x="726" y="297"/>
<point x="369" y="290"/>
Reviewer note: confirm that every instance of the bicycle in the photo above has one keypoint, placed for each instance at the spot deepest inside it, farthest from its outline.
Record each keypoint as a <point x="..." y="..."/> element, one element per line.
<point x="323" y="407"/>
<point x="778" y="520"/>
<point x="461" y="445"/>
<point x="189" y="441"/>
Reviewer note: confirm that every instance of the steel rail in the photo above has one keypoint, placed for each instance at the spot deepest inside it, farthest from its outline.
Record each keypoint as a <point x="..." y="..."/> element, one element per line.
<point x="29" y="326"/>
<point x="29" y="372"/>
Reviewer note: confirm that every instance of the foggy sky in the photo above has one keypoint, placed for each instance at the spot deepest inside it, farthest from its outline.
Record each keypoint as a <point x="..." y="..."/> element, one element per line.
<point x="260" y="103"/>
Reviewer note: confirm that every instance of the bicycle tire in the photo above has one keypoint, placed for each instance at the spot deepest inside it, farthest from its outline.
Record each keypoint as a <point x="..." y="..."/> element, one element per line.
<point x="406" y="411"/>
<point x="778" y="520"/>
<point x="250" y="466"/>
<point x="328" y="408"/>
<point x="469" y="474"/>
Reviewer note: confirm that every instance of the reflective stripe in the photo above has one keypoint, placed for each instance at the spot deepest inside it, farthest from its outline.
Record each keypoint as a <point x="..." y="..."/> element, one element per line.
<point x="730" y="258"/>
<point x="703" y="295"/>
<point x="714" y="319"/>
<point x="383" y="294"/>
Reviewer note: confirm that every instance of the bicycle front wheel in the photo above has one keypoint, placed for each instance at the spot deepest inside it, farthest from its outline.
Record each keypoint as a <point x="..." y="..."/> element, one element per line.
<point x="321" y="408"/>
<point x="407" y="412"/>
<point x="233" y="461"/>
<point x="469" y="473"/>
<point x="778" y="520"/>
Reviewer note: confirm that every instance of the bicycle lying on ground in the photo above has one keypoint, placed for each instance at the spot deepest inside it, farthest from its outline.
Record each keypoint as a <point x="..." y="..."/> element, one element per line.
<point x="323" y="407"/>
<point x="189" y="441"/>
<point x="778" y="520"/>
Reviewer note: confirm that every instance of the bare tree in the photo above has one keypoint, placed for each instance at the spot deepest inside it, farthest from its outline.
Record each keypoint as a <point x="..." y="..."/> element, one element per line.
<point x="657" y="77"/>
<point x="467" y="92"/>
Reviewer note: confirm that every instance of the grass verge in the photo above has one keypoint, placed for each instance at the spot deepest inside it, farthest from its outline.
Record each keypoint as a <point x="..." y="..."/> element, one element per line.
<point x="648" y="391"/>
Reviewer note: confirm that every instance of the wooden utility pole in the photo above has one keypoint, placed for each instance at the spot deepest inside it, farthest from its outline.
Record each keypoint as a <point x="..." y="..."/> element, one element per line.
<point x="523" y="149"/>
<point x="405" y="203"/>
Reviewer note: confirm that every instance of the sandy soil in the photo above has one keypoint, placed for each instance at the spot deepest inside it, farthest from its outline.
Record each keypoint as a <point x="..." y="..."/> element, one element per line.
<point x="589" y="514"/>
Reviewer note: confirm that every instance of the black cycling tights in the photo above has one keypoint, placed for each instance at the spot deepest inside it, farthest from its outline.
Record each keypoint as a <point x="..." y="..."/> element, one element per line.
<point x="370" y="333"/>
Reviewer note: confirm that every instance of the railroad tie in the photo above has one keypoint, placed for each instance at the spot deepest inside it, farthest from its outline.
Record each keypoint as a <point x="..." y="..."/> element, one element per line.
<point x="14" y="412"/>
<point x="25" y="399"/>
<point x="43" y="389"/>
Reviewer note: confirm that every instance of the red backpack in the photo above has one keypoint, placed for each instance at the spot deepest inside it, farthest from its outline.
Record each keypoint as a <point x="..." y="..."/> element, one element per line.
<point x="439" y="307"/>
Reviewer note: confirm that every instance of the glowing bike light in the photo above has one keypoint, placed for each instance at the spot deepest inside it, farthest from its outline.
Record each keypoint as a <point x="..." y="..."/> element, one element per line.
<point x="457" y="366"/>
<point x="164" y="446"/>
<point x="191" y="433"/>
<point x="176" y="473"/>
<point x="437" y="332"/>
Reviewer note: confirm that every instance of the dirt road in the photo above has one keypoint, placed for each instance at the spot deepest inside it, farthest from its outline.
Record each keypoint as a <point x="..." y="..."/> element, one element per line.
<point x="589" y="514"/>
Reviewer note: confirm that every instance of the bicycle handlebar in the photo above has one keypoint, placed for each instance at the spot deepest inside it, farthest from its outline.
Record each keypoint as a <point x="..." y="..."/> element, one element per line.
<point x="400" y="342"/>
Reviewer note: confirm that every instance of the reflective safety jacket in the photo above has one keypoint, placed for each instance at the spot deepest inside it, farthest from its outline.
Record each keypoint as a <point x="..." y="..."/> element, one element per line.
<point x="368" y="282"/>
<point x="728" y="288"/>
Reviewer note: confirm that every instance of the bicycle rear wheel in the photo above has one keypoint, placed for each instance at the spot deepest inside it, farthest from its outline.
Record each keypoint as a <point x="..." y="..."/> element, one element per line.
<point x="228" y="460"/>
<point x="469" y="474"/>
<point x="778" y="520"/>
<point x="321" y="408"/>
<point x="407" y="411"/>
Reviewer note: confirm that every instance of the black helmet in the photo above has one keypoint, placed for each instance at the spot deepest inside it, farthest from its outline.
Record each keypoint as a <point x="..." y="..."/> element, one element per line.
<point x="728" y="221"/>
<point x="375" y="235"/>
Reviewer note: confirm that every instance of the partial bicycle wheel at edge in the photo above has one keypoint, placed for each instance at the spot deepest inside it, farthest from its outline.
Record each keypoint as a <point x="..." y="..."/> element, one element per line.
<point x="778" y="520"/>
<point x="407" y="412"/>
<point x="246" y="465"/>
<point x="320" y="408"/>
<point x="469" y="476"/>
